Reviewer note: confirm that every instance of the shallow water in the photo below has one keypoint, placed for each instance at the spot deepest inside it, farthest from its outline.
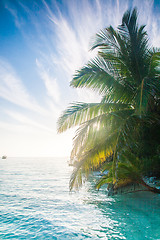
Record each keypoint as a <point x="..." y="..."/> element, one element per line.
<point x="35" y="204"/>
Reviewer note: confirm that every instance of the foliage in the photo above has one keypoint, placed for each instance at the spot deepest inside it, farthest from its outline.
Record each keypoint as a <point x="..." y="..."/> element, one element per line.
<point x="126" y="73"/>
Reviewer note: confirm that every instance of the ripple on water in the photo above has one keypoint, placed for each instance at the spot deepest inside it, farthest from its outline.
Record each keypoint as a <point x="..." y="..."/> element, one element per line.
<point x="35" y="204"/>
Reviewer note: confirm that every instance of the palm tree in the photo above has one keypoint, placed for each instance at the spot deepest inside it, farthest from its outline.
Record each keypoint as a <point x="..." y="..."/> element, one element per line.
<point x="126" y="74"/>
<point x="130" y="172"/>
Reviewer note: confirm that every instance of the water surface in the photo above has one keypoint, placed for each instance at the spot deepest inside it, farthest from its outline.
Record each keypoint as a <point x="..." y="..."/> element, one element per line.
<point x="35" y="203"/>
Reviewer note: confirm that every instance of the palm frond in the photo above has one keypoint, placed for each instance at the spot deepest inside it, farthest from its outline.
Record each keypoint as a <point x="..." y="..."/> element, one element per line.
<point x="96" y="75"/>
<point x="79" y="113"/>
<point x="126" y="72"/>
<point x="104" y="180"/>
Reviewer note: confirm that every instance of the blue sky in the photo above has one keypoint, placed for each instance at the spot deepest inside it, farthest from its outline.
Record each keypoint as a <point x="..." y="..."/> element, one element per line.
<point x="42" y="43"/>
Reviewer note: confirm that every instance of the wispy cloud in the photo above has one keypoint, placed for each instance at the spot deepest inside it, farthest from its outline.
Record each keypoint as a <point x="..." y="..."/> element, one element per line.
<point x="73" y="34"/>
<point x="13" y="90"/>
<point x="27" y="121"/>
<point x="67" y="37"/>
<point x="58" y="34"/>
<point x="85" y="18"/>
<point x="14" y="13"/>
<point x="49" y="81"/>
<point x="150" y="18"/>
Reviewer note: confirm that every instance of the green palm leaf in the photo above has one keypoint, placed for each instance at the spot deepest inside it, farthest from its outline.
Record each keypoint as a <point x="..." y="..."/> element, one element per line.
<point x="126" y="73"/>
<point x="82" y="112"/>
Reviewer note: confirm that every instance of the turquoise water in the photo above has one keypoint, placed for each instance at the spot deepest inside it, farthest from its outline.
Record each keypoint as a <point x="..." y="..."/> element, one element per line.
<point x="35" y="204"/>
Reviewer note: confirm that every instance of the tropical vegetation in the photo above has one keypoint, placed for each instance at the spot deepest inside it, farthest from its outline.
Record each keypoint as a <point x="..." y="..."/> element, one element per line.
<point x="120" y="135"/>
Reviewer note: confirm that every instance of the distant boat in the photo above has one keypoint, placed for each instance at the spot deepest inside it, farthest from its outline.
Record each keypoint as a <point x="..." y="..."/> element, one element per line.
<point x="4" y="157"/>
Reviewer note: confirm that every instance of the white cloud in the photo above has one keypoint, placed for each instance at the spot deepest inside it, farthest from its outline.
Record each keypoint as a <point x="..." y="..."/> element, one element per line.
<point x="14" y="12"/>
<point x="147" y="16"/>
<point x="49" y="81"/>
<point x="155" y="34"/>
<point x="73" y="36"/>
<point x="25" y="120"/>
<point x="63" y="49"/>
<point x="13" y="90"/>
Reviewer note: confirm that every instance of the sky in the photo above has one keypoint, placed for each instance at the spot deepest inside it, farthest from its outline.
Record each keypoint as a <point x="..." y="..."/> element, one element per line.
<point x="42" y="44"/>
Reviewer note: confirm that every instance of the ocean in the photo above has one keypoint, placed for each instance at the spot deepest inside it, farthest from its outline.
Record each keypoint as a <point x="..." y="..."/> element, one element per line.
<point x="35" y="203"/>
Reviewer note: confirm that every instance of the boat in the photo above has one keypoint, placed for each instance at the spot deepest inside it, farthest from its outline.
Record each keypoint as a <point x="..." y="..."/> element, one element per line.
<point x="4" y="157"/>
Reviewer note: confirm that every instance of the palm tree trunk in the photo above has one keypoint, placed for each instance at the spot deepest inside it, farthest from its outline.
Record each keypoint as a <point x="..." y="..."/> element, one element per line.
<point x="152" y="189"/>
